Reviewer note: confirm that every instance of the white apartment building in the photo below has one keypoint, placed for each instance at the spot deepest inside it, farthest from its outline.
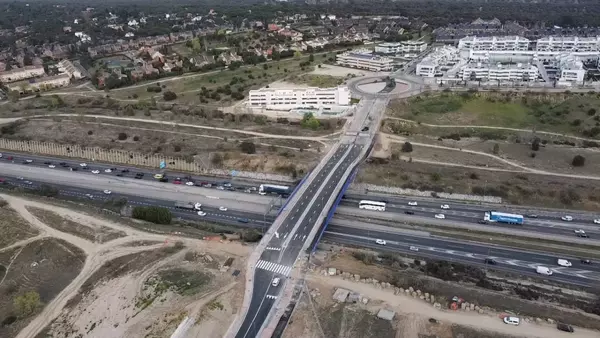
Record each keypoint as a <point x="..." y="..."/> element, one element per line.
<point x="441" y="59"/>
<point x="68" y="67"/>
<point x="568" y="44"/>
<point x="364" y="60"/>
<point x="499" y="72"/>
<point x="297" y="98"/>
<point x="494" y="43"/>
<point x="18" y="74"/>
<point x="404" y="47"/>
<point x="42" y="83"/>
<point x="571" y="71"/>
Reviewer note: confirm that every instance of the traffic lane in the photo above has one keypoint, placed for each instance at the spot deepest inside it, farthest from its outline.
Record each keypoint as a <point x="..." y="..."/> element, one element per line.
<point x="134" y="187"/>
<point x="472" y="247"/>
<point x="260" y="304"/>
<point x="38" y="161"/>
<point x="473" y="261"/>
<point x="298" y="208"/>
<point x="292" y="251"/>
<point x="578" y="215"/>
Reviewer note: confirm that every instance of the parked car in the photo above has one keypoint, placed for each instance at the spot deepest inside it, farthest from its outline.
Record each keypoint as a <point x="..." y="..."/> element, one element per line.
<point x="564" y="327"/>
<point x="511" y="320"/>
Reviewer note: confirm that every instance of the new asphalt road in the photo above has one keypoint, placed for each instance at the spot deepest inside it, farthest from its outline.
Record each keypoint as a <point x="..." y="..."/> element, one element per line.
<point x="285" y="246"/>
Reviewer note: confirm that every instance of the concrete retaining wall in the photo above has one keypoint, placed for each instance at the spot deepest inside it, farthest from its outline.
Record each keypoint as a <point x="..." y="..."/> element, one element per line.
<point x="412" y="192"/>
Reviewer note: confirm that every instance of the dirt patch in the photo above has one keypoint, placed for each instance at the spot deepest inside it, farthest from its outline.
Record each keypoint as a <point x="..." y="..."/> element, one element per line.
<point x="100" y="234"/>
<point x="45" y="266"/>
<point x="13" y="227"/>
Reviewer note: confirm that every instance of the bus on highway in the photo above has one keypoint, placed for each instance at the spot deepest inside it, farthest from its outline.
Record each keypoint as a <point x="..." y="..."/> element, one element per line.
<point x="502" y="217"/>
<point x="371" y="205"/>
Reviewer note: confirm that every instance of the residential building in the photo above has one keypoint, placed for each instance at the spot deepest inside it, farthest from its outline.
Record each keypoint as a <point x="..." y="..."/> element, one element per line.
<point x="441" y="59"/>
<point x="69" y="68"/>
<point x="364" y="60"/>
<point x="404" y="47"/>
<point x="42" y="83"/>
<point x="18" y="74"/>
<point x="568" y="44"/>
<point x="499" y="72"/>
<point x="494" y="43"/>
<point x="296" y="98"/>
<point x="571" y="71"/>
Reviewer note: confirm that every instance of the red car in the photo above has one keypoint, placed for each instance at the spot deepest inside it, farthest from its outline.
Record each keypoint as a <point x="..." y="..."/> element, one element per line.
<point x="176" y="182"/>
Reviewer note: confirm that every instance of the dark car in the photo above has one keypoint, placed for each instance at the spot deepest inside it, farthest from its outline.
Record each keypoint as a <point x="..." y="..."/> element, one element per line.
<point x="74" y="168"/>
<point x="63" y="164"/>
<point x="408" y="212"/>
<point x="586" y="261"/>
<point x="125" y="170"/>
<point x="564" y="327"/>
<point x="163" y="179"/>
<point x="489" y="261"/>
<point x="243" y="220"/>
<point x="482" y="221"/>
<point x="583" y="235"/>
<point x="365" y="129"/>
<point x="137" y="177"/>
<point x="47" y="162"/>
<point x="120" y="175"/>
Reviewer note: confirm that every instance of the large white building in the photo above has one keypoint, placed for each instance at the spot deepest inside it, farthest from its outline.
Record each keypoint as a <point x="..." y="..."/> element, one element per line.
<point x="494" y="43"/>
<point x="499" y="72"/>
<point x="571" y="71"/>
<point x="40" y="84"/>
<point x="18" y="74"/>
<point x="441" y="59"/>
<point x="299" y="98"/>
<point x="568" y="44"/>
<point x="364" y="60"/>
<point x="409" y="48"/>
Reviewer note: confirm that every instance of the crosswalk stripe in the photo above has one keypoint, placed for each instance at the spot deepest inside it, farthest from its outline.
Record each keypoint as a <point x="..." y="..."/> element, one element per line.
<point x="274" y="267"/>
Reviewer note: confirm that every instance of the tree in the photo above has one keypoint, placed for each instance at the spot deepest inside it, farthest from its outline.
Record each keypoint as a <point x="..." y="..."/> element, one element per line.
<point x="311" y="58"/>
<point x="122" y="136"/>
<point x="250" y="235"/>
<point x="309" y="121"/>
<point x="407" y="147"/>
<point x="14" y="96"/>
<point x="27" y="303"/>
<point x="48" y="190"/>
<point x="248" y="147"/>
<point x="496" y="149"/>
<point x="578" y="161"/>
<point x="158" y="215"/>
<point x="169" y="96"/>
<point x="535" y="144"/>
<point x="591" y="112"/>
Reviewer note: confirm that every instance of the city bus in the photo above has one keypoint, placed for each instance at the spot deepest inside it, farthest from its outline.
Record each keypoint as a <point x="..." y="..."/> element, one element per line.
<point x="371" y="205"/>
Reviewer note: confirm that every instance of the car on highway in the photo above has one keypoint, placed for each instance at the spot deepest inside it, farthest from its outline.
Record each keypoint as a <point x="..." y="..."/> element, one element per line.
<point x="190" y="183"/>
<point x="445" y="206"/>
<point x="532" y="216"/>
<point x="176" y="182"/>
<point x="511" y="320"/>
<point x="380" y="241"/>
<point x="108" y="171"/>
<point x="409" y="212"/>
<point x="275" y="281"/>
<point x="28" y="161"/>
<point x="47" y="162"/>
<point x="158" y="176"/>
<point x="597" y="221"/>
<point x="567" y="218"/>
<point x="413" y="248"/>
<point x="125" y="171"/>
<point x="440" y="216"/>
<point x="0" y="155"/>
<point x="227" y="184"/>
<point x="563" y="262"/>
<point x="253" y="188"/>
<point x="51" y="166"/>
<point x="243" y="220"/>
<point x="583" y="235"/>
<point x="223" y="208"/>
<point x="63" y="164"/>
<point x="107" y="192"/>
<point x="413" y="203"/>
<point x="490" y="261"/>
<point x="542" y="270"/>
<point x="586" y="261"/>
<point x="198" y="206"/>
<point x="95" y="171"/>
<point x="73" y="169"/>
<point x="248" y="191"/>
<point x="90" y="196"/>
<point x="119" y="175"/>
<point x="220" y="187"/>
<point x="28" y="182"/>
<point x="20" y="178"/>
<point x="138" y="176"/>
<point x="201" y="213"/>
<point x="83" y="165"/>
<point x="207" y="185"/>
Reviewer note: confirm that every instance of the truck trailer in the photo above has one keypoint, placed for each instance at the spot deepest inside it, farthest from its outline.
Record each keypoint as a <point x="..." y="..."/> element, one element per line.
<point x="271" y="188"/>
<point x="185" y="205"/>
<point x="502" y="217"/>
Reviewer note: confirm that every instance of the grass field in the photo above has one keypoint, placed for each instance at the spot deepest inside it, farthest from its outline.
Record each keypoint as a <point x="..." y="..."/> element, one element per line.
<point x="312" y="80"/>
<point x="562" y="112"/>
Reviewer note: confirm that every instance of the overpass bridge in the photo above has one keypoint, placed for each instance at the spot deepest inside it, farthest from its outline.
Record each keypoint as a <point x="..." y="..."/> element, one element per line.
<point x="299" y="222"/>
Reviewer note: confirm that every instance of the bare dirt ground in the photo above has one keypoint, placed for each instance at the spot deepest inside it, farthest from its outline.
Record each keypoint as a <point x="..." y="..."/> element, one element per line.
<point x="13" y="227"/>
<point x="163" y="277"/>
<point x="318" y="316"/>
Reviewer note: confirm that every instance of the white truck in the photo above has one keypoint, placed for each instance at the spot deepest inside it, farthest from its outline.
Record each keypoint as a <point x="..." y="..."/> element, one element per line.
<point x="542" y="270"/>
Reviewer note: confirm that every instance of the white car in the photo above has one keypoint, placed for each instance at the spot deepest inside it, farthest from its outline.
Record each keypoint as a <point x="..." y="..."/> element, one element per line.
<point x="253" y="188"/>
<point x="440" y="216"/>
<point x="262" y="193"/>
<point x="413" y="248"/>
<point x="90" y="196"/>
<point x="83" y="164"/>
<point x="567" y="218"/>
<point x="28" y="161"/>
<point x="201" y="213"/>
<point x="597" y="221"/>
<point x="108" y="192"/>
<point x="222" y="208"/>
<point x="220" y="188"/>
<point x="564" y="262"/>
<point x="275" y="281"/>
<point x="579" y="231"/>
<point x="108" y="170"/>
<point x="511" y="320"/>
<point x="52" y="166"/>
<point x="20" y="178"/>
<point x="189" y="183"/>
<point x="95" y="171"/>
<point x="445" y="206"/>
<point x="413" y="203"/>
<point x="380" y="241"/>
<point x="197" y="206"/>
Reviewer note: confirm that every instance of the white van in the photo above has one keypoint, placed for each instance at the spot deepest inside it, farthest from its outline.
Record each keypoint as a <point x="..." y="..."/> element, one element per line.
<point x="563" y="262"/>
<point x="542" y="270"/>
<point x="512" y="320"/>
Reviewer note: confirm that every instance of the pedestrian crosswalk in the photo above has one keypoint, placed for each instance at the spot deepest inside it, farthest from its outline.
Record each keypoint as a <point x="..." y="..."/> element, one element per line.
<point x="273" y="248"/>
<point x="271" y="297"/>
<point x="274" y="267"/>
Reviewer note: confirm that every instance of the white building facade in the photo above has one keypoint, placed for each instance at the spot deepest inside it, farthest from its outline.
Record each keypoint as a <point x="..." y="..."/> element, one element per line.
<point x="568" y="44"/>
<point x="499" y="72"/>
<point x="40" y="84"/>
<point x="18" y="74"/>
<point x="365" y="60"/>
<point x="404" y="47"/>
<point x="298" y="98"/>
<point x="494" y="43"/>
<point x="436" y="62"/>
